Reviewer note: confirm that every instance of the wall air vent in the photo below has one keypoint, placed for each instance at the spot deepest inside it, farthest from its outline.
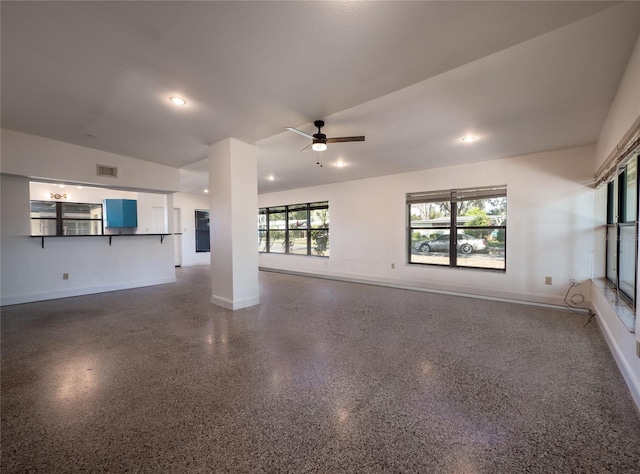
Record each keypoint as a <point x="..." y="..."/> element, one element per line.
<point x="110" y="171"/>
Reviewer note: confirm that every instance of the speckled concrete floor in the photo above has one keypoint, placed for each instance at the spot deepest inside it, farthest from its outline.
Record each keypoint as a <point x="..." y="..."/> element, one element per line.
<point x="322" y="376"/>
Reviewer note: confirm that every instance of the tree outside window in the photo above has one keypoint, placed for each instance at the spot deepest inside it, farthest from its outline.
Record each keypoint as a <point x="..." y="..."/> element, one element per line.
<point x="477" y="219"/>
<point x="296" y="229"/>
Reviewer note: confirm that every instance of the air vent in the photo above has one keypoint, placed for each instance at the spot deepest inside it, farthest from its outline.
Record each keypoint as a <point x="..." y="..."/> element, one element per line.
<point x="110" y="171"/>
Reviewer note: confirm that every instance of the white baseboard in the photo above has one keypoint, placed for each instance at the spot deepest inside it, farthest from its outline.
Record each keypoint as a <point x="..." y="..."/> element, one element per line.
<point x="235" y="304"/>
<point x="632" y="377"/>
<point x="504" y="296"/>
<point x="195" y="264"/>
<point x="79" y="291"/>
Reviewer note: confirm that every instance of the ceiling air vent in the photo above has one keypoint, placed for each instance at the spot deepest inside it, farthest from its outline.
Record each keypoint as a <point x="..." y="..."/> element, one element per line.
<point x="111" y="171"/>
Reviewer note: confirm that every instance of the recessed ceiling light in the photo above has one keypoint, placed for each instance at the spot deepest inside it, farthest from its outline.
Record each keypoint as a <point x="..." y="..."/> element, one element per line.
<point x="468" y="138"/>
<point x="271" y="177"/>
<point x="178" y="100"/>
<point x="206" y="190"/>
<point x="340" y="164"/>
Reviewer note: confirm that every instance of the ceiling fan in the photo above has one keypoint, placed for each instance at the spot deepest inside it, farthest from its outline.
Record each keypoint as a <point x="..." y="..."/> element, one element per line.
<point x="319" y="140"/>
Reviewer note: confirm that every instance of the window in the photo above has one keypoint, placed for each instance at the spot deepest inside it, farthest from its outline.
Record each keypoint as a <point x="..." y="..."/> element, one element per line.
<point x="66" y="218"/>
<point x="298" y="229"/>
<point x="203" y="244"/>
<point x="622" y="228"/>
<point x="476" y="216"/>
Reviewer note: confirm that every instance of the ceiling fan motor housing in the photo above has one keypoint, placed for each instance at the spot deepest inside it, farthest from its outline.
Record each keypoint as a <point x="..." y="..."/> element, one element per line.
<point x="319" y="137"/>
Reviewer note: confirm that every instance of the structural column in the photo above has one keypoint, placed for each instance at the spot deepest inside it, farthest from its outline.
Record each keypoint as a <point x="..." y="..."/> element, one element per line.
<point x="233" y="192"/>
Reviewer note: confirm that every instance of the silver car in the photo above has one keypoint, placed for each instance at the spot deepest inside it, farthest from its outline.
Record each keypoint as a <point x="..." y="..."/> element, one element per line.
<point x="466" y="244"/>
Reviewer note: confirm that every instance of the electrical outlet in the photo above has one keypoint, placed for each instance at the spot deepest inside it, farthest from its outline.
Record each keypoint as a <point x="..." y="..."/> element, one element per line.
<point x="65" y="276"/>
<point x="548" y="280"/>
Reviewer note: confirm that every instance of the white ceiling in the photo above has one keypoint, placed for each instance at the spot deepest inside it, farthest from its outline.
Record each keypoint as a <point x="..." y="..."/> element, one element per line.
<point x="412" y="76"/>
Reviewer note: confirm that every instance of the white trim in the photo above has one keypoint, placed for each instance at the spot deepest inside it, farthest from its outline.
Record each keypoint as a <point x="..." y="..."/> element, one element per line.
<point x="195" y="264"/>
<point x="234" y="305"/>
<point x="56" y="294"/>
<point x="519" y="298"/>
<point x="600" y="307"/>
<point x="627" y="373"/>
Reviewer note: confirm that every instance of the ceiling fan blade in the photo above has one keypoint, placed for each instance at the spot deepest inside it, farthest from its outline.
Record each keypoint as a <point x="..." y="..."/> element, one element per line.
<point x="300" y="132"/>
<point x="306" y="148"/>
<point x="345" y="139"/>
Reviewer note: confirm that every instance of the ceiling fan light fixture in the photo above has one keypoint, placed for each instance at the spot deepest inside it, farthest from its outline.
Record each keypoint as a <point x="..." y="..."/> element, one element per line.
<point x="319" y="140"/>
<point x="319" y="146"/>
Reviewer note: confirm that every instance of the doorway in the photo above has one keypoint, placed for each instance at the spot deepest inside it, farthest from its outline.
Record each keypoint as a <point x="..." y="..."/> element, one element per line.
<point x="177" y="236"/>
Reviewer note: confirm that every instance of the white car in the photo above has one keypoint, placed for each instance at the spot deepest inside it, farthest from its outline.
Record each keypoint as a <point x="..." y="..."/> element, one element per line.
<point x="466" y="244"/>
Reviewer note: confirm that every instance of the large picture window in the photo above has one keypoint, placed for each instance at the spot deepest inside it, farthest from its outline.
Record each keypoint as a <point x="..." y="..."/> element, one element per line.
<point x="458" y="228"/>
<point x="66" y="218"/>
<point x="622" y="228"/>
<point x="297" y="229"/>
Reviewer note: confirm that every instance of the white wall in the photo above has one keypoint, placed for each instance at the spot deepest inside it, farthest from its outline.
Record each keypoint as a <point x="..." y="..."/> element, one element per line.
<point x="31" y="273"/>
<point x="151" y="213"/>
<point x="150" y="220"/>
<point x="43" y="191"/>
<point x="624" y="112"/>
<point x="549" y="227"/>
<point x="42" y="158"/>
<point x="188" y="203"/>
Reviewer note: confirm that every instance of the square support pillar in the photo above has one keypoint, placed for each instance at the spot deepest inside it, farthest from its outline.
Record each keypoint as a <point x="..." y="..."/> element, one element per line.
<point x="233" y="194"/>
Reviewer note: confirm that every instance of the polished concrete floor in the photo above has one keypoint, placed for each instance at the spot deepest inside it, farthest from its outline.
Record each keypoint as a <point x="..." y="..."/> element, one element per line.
<point x="322" y="376"/>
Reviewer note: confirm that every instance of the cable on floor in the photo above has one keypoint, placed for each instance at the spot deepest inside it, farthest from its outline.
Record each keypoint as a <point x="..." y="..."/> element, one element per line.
<point x="570" y="305"/>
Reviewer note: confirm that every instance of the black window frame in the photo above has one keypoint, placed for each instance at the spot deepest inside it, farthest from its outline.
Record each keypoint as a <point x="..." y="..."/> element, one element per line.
<point x="616" y="219"/>
<point x="315" y="246"/>
<point x="202" y="235"/>
<point x="452" y="197"/>
<point x="60" y="220"/>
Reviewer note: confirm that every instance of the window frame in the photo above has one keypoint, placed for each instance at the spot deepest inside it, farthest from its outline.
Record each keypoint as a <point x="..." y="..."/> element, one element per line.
<point x="198" y="232"/>
<point x="617" y="219"/>
<point x="453" y="197"/>
<point x="265" y="229"/>
<point x="60" y="220"/>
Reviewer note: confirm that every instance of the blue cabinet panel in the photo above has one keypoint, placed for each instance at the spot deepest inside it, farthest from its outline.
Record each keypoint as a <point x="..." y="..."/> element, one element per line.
<point x="121" y="212"/>
<point x="129" y="213"/>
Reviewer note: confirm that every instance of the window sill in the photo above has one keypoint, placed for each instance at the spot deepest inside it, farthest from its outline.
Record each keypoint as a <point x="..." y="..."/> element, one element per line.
<point x="623" y="309"/>
<point x="458" y="267"/>
<point x="293" y="254"/>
